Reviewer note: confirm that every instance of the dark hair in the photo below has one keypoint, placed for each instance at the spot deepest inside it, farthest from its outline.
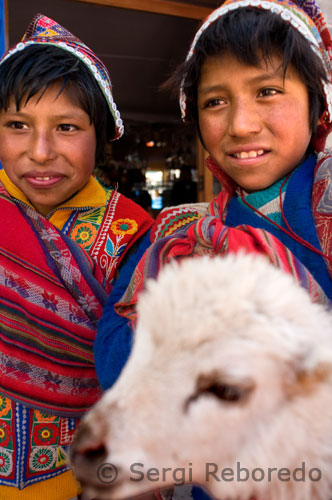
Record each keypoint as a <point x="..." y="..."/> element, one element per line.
<point x="36" y="67"/>
<point x="252" y="35"/>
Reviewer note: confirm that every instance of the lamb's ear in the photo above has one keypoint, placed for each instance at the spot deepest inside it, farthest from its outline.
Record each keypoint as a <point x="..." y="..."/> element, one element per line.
<point x="305" y="377"/>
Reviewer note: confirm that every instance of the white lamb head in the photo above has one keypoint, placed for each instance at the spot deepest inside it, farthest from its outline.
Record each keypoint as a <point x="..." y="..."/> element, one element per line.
<point x="230" y="372"/>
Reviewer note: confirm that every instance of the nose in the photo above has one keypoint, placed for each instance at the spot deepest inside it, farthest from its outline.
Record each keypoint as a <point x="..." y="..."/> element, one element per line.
<point x="87" y="453"/>
<point x="41" y="148"/>
<point x="244" y="119"/>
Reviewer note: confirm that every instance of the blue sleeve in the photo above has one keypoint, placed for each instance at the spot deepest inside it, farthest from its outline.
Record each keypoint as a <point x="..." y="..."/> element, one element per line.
<point x="200" y="494"/>
<point x="114" y="338"/>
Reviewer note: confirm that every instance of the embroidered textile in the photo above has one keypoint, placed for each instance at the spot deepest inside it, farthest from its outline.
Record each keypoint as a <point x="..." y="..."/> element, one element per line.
<point x="51" y="302"/>
<point x="297" y="231"/>
<point x="49" y="307"/>
<point x="35" y="438"/>
<point x="210" y="236"/>
<point x="51" y="358"/>
<point x="322" y="206"/>
<point x="106" y="233"/>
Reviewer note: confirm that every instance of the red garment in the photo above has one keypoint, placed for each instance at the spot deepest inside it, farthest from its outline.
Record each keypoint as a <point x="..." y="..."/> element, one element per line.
<point x="51" y="297"/>
<point x="189" y="234"/>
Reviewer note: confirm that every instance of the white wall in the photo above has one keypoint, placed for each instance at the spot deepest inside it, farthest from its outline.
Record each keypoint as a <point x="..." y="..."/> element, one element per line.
<point x="329" y="141"/>
<point x="326" y="7"/>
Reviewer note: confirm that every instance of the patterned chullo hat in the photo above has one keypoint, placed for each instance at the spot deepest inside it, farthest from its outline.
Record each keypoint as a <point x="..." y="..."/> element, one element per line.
<point x="306" y="17"/>
<point x="43" y="30"/>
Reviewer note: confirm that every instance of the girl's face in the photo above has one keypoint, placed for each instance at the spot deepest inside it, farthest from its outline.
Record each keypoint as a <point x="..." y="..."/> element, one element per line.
<point x="253" y="121"/>
<point x="47" y="148"/>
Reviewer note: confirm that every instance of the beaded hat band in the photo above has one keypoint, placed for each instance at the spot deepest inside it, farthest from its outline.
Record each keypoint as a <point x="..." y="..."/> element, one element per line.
<point x="43" y="30"/>
<point x="304" y="15"/>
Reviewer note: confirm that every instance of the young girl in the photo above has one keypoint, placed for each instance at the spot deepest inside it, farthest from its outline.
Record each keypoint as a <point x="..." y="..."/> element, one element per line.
<point x="257" y="84"/>
<point x="64" y="238"/>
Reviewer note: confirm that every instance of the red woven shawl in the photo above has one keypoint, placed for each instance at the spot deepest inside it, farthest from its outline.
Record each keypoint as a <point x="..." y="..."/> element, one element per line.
<point x="210" y="236"/>
<point x="51" y="297"/>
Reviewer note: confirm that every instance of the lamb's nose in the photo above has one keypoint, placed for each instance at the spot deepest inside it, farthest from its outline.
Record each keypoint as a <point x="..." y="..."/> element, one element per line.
<point x="87" y="450"/>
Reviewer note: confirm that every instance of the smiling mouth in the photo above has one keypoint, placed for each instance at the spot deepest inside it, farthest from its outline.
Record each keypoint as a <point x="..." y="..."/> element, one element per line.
<point x="243" y="155"/>
<point x="43" y="181"/>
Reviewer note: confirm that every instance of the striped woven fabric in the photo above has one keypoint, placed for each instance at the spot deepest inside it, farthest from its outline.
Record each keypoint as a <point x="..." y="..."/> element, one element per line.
<point x="209" y="235"/>
<point x="51" y="297"/>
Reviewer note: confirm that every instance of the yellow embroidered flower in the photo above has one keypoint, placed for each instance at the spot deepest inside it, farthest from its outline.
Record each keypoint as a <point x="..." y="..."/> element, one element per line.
<point x="124" y="226"/>
<point x="41" y="416"/>
<point x="84" y="234"/>
<point x="5" y="405"/>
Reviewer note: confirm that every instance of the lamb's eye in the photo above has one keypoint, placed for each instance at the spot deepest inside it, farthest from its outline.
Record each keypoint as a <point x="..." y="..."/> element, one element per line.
<point x="225" y="392"/>
<point x="208" y="384"/>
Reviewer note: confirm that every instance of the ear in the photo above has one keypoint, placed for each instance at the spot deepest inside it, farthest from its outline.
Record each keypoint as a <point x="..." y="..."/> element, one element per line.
<point x="304" y="380"/>
<point x="324" y="127"/>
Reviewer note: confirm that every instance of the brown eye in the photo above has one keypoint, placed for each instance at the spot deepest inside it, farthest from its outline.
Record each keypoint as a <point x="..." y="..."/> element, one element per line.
<point x="16" y="125"/>
<point x="268" y="92"/>
<point x="212" y="103"/>
<point x="228" y="393"/>
<point x="225" y="392"/>
<point x="67" y="127"/>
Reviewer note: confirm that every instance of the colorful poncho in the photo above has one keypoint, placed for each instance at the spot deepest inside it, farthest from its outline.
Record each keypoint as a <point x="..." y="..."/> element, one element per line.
<point x="49" y="307"/>
<point x="52" y="297"/>
<point x="53" y="285"/>
<point x="183" y="231"/>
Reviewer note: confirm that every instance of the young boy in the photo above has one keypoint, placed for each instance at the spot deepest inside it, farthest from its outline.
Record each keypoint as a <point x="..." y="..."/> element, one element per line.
<point x="63" y="240"/>
<point x="257" y="83"/>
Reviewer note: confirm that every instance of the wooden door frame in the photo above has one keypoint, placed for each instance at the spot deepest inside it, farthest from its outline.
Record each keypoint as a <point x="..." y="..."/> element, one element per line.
<point x="166" y="7"/>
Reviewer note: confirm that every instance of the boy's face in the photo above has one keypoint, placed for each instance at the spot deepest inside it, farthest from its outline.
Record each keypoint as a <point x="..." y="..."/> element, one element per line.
<point x="47" y="148"/>
<point x="254" y="123"/>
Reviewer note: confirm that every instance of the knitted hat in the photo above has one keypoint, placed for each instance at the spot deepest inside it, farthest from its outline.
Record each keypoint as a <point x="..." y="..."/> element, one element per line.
<point x="43" y="30"/>
<point x="303" y="15"/>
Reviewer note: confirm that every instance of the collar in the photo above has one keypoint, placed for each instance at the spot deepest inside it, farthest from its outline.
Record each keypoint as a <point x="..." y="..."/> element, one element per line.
<point x="91" y="195"/>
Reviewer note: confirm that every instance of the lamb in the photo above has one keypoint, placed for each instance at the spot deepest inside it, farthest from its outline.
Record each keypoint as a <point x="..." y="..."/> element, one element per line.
<point x="229" y="385"/>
